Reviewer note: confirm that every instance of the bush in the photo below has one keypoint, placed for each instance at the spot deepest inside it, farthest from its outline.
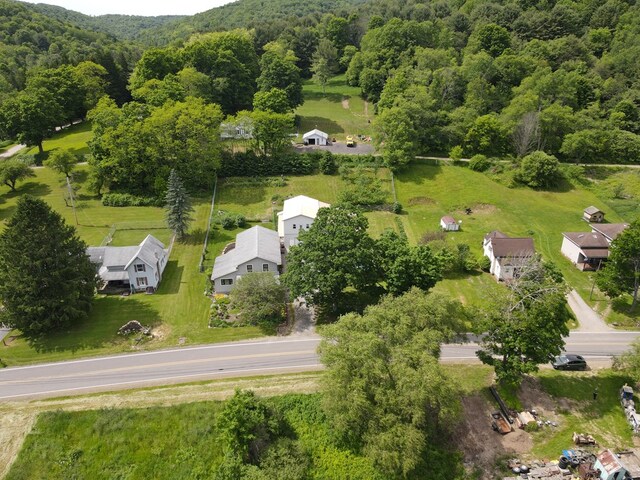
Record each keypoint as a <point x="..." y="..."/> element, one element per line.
<point x="228" y="222"/>
<point x="128" y="200"/>
<point x="397" y="208"/>
<point x="456" y="153"/>
<point x="328" y="165"/>
<point x="539" y="170"/>
<point x="484" y="263"/>
<point x="248" y="164"/>
<point x="479" y="163"/>
<point x="241" y="221"/>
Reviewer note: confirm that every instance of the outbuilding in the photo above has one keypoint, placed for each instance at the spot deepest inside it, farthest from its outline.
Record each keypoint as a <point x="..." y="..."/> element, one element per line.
<point x="593" y="215"/>
<point x="449" y="224"/>
<point x="316" y="137"/>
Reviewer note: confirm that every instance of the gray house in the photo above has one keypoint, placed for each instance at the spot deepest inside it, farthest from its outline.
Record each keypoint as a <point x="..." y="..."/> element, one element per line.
<point x="256" y="250"/>
<point x="137" y="268"/>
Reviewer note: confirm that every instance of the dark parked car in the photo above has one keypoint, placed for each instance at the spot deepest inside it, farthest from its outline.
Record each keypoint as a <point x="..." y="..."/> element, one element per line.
<point x="569" y="362"/>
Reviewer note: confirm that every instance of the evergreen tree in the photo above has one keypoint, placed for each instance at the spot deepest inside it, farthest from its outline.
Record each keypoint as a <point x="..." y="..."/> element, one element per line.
<point x="46" y="279"/>
<point x="178" y="206"/>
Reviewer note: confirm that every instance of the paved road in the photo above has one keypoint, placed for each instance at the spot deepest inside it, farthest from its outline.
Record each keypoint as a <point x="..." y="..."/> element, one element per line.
<point x="233" y="359"/>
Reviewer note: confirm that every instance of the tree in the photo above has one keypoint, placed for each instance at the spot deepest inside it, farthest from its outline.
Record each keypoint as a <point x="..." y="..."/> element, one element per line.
<point x="278" y="70"/>
<point x="539" y="170"/>
<point x="527" y="135"/>
<point x="629" y="362"/>
<point x="487" y="135"/>
<point x="325" y="62"/>
<point x="396" y="136"/>
<point x="260" y="299"/>
<point x="270" y="131"/>
<point x="62" y="161"/>
<point x="46" y="280"/>
<point x="384" y="392"/>
<point x="621" y="273"/>
<point x="321" y="278"/>
<point x="494" y="39"/>
<point x="246" y="425"/>
<point x="178" y="206"/>
<point x="525" y="327"/>
<point x="274" y="100"/>
<point x="12" y="171"/>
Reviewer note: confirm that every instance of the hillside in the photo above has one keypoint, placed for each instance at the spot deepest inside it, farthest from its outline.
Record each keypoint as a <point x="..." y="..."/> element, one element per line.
<point x="123" y="27"/>
<point x="245" y="14"/>
<point x="29" y="39"/>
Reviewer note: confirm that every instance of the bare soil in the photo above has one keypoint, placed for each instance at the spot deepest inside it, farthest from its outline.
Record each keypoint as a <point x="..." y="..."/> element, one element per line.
<point x="421" y="201"/>
<point x="345" y="103"/>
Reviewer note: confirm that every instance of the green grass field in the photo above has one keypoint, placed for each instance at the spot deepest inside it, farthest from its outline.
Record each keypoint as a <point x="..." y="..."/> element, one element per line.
<point x="340" y="111"/>
<point x="73" y="138"/>
<point x="178" y="309"/>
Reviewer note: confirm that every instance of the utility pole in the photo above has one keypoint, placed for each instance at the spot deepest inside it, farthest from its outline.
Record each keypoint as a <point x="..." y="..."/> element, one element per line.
<point x="73" y="203"/>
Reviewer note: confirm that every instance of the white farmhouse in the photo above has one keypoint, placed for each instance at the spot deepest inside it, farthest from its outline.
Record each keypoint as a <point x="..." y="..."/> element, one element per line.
<point x="507" y="255"/>
<point x="315" y="137"/>
<point x="256" y="250"/>
<point x="137" y="268"/>
<point x="298" y="214"/>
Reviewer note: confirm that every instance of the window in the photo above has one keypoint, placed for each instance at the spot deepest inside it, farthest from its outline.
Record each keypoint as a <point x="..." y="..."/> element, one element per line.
<point x="141" y="281"/>
<point x="294" y="226"/>
<point x="265" y="267"/>
<point x="140" y="267"/>
<point x="249" y="268"/>
<point x="307" y="226"/>
<point x="226" y="281"/>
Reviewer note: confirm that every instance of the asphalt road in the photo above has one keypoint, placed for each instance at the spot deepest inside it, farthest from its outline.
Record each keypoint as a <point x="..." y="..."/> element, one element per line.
<point x="258" y="357"/>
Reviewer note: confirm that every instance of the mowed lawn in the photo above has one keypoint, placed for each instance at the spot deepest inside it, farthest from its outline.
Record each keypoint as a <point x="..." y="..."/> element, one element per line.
<point x="178" y="310"/>
<point x="339" y="111"/>
<point x="428" y="192"/>
<point x="73" y="138"/>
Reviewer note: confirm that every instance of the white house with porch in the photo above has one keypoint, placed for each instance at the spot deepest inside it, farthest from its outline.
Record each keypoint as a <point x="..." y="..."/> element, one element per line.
<point x="507" y="255"/>
<point x="315" y="137"/>
<point x="297" y="214"/>
<point x="136" y="268"/>
<point x="255" y="250"/>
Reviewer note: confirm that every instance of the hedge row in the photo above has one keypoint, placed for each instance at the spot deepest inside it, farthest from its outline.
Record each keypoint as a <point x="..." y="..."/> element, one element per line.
<point x="128" y="200"/>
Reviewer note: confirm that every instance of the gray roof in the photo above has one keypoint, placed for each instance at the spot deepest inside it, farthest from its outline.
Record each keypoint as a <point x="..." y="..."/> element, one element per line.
<point x="119" y="258"/>
<point x="591" y="210"/>
<point x="256" y="242"/>
<point x="587" y="239"/>
<point x="495" y="234"/>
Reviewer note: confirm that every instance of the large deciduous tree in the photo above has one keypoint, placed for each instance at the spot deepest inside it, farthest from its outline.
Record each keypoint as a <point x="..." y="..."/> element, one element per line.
<point x="178" y="206"/>
<point x="383" y="390"/>
<point x="278" y="70"/>
<point x="525" y="327"/>
<point x="325" y="62"/>
<point x="396" y="136"/>
<point x="46" y="279"/>
<point x="539" y="170"/>
<point x="621" y="273"/>
<point x="335" y="253"/>
<point x="62" y="161"/>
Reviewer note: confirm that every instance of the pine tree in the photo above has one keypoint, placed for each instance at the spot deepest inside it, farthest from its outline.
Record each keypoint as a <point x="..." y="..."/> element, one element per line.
<point x="178" y="206"/>
<point x="46" y="279"/>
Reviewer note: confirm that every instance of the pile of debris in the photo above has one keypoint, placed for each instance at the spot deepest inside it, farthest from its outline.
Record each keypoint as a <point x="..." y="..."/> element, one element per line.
<point x="536" y="470"/>
<point x="134" y="326"/>
<point x="626" y="400"/>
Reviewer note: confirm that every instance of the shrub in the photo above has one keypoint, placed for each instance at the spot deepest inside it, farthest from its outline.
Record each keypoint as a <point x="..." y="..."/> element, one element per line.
<point x="484" y="263"/>
<point x="479" y="163"/>
<point x="228" y="222"/>
<point x="397" y="207"/>
<point x="115" y="199"/>
<point x="241" y="221"/>
<point x="456" y="153"/>
<point x="328" y="165"/>
<point x="539" y="170"/>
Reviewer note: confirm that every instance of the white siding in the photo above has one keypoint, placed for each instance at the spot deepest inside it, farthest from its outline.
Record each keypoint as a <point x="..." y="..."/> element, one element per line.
<point x="150" y="274"/>
<point x="570" y="250"/>
<point x="289" y="233"/>
<point x="256" y="266"/>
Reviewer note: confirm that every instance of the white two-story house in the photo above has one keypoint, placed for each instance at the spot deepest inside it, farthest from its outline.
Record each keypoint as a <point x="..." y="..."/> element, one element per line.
<point x="507" y="255"/>
<point x="137" y="268"/>
<point x="298" y="214"/>
<point x="255" y="250"/>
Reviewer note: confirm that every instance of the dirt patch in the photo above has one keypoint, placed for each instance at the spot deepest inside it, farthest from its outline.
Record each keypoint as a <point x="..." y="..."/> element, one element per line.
<point x="479" y="444"/>
<point x="478" y="209"/>
<point x="421" y="201"/>
<point x="533" y="397"/>
<point x="345" y="103"/>
<point x="161" y="331"/>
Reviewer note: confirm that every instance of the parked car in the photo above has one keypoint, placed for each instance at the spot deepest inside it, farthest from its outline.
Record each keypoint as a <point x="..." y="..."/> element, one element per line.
<point x="569" y="362"/>
<point x="350" y="141"/>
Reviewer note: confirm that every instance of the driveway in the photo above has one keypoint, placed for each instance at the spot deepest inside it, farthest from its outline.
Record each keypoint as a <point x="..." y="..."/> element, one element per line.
<point x="361" y="148"/>
<point x="12" y="151"/>
<point x="589" y="320"/>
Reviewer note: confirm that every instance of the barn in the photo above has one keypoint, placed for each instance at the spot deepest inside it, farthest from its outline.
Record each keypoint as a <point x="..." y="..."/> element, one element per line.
<point x="316" y="137"/>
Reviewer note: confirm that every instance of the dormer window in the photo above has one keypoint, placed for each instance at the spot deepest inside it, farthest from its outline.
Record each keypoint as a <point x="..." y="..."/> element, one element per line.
<point x="140" y="267"/>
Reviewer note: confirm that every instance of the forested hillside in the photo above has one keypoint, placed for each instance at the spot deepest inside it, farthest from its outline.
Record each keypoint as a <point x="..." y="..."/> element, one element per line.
<point x="30" y="40"/>
<point x="123" y="27"/>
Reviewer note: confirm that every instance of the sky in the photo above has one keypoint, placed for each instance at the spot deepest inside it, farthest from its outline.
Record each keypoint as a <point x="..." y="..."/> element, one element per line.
<point x="137" y="7"/>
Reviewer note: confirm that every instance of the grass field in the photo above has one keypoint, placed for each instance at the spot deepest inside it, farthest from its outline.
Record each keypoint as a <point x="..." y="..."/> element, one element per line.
<point x="73" y="138"/>
<point x="179" y="309"/>
<point x="340" y="111"/>
<point x="170" y="432"/>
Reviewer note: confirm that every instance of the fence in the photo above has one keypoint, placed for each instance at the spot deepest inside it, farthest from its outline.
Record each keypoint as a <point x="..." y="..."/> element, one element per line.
<point x="206" y="235"/>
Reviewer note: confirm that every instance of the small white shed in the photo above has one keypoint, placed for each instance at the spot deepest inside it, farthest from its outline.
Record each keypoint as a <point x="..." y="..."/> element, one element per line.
<point x="316" y="137"/>
<point x="449" y="224"/>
